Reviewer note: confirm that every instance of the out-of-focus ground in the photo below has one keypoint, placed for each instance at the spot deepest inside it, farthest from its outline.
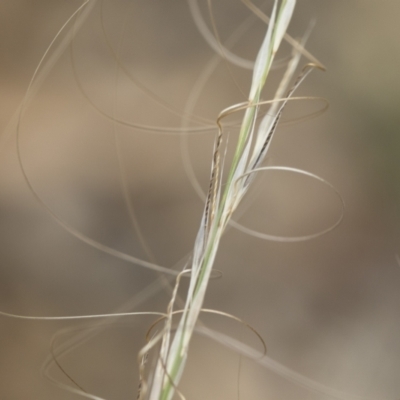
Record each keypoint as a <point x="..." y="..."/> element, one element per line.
<point x="328" y="308"/>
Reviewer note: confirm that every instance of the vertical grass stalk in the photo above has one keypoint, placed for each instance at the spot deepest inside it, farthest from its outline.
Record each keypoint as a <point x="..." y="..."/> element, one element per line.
<point x="221" y="203"/>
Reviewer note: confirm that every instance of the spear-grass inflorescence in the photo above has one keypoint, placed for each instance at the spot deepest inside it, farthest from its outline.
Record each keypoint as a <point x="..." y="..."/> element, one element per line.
<point x="224" y="196"/>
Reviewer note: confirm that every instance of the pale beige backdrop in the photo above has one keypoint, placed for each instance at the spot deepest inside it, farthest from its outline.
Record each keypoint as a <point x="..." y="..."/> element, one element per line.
<point x="328" y="308"/>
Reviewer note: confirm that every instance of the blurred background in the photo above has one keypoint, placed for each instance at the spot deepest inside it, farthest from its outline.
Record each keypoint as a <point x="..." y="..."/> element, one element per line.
<point x="327" y="308"/>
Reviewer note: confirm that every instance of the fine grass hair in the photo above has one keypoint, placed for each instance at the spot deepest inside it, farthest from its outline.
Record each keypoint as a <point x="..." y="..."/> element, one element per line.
<point x="234" y="166"/>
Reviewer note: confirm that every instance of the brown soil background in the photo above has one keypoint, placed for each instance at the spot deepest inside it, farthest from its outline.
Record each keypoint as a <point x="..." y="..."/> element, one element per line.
<point x="327" y="308"/>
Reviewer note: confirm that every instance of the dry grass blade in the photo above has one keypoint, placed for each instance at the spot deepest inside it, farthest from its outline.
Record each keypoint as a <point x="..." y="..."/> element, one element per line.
<point x="219" y="206"/>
